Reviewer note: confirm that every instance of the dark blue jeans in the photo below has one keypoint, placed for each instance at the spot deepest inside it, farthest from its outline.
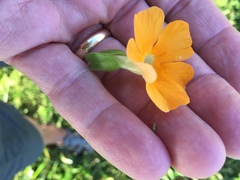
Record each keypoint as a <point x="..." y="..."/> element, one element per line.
<point x="20" y="142"/>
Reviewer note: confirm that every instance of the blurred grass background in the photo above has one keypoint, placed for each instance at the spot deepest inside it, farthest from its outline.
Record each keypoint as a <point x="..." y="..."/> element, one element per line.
<point x="55" y="164"/>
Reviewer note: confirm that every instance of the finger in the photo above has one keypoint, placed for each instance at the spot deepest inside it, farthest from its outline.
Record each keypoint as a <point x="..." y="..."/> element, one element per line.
<point x="215" y="101"/>
<point x="191" y="143"/>
<point x="214" y="38"/>
<point x="77" y="94"/>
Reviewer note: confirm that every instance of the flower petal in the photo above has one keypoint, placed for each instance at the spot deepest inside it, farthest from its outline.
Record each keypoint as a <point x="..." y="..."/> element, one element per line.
<point x="148" y="72"/>
<point x="168" y="91"/>
<point x="133" y="52"/>
<point x="174" y="43"/>
<point x="147" y="27"/>
<point x="179" y="72"/>
<point x="167" y="95"/>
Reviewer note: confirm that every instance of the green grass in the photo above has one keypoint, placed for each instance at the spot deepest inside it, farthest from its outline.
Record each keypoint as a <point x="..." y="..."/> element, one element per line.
<point x="56" y="164"/>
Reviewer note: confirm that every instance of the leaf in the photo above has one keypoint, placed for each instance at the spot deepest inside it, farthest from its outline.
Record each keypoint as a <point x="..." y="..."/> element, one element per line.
<point x="102" y="62"/>
<point x="115" y="52"/>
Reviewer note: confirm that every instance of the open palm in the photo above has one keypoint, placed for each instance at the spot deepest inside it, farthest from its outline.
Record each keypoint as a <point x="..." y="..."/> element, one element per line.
<point x="112" y="111"/>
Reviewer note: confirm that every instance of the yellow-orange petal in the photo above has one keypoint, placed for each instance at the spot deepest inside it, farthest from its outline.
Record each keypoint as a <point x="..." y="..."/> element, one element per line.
<point x="167" y="95"/>
<point x="174" y="43"/>
<point x="133" y="52"/>
<point x="168" y="91"/>
<point x="147" y="27"/>
<point x="148" y="72"/>
<point x="179" y="72"/>
<point x="173" y="56"/>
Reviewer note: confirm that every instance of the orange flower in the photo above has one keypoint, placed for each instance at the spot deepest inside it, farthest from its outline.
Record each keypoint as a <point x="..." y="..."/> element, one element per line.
<point x="158" y="52"/>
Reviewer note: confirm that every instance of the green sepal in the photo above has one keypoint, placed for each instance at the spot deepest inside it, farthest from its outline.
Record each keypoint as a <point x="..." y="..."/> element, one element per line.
<point x="102" y="62"/>
<point x="115" y="52"/>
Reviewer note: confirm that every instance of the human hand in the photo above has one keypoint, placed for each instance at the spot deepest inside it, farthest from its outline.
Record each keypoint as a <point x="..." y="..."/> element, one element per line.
<point x="112" y="113"/>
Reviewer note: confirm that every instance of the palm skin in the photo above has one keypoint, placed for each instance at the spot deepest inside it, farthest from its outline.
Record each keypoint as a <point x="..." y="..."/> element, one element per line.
<point x="112" y="111"/>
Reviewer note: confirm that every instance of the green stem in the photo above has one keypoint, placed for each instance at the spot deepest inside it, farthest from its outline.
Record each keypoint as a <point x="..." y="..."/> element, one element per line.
<point x="127" y="64"/>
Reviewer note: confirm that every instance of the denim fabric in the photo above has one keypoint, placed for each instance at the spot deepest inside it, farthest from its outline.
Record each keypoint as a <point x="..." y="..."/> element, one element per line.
<point x="2" y="64"/>
<point x="20" y="142"/>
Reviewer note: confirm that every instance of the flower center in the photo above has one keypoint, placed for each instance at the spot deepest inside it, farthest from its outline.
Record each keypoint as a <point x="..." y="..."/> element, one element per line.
<point x="149" y="59"/>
